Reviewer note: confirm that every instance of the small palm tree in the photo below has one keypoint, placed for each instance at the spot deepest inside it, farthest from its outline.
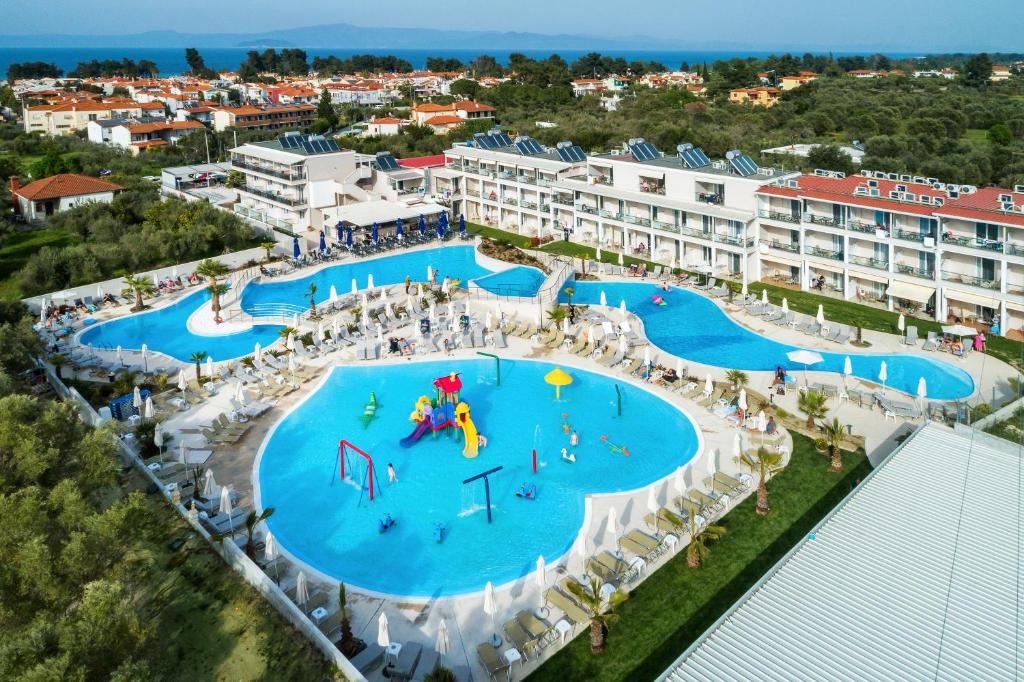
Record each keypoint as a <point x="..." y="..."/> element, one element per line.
<point x="285" y="332"/>
<point x="738" y="378"/>
<point x="269" y="248"/>
<point x="833" y="438"/>
<point x="767" y="464"/>
<point x="697" y="551"/>
<point x="814" y="405"/>
<point x="216" y="291"/>
<point x="557" y="315"/>
<point x="569" y="292"/>
<point x="213" y="269"/>
<point x="125" y="381"/>
<point x="251" y="521"/>
<point x="198" y="359"/>
<point x="311" y="295"/>
<point x="602" y="615"/>
<point x="140" y="287"/>
<point x="58" y="361"/>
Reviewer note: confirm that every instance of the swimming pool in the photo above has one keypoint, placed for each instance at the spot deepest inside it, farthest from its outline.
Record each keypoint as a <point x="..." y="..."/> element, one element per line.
<point x="692" y="327"/>
<point x="520" y="281"/>
<point x="165" y="330"/>
<point x="332" y="527"/>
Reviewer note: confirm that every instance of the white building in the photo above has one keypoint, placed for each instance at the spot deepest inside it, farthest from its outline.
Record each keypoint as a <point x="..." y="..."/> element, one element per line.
<point x="41" y="199"/>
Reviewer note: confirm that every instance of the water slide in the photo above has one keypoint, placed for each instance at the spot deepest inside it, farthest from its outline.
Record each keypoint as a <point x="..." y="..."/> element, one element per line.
<point x="464" y="422"/>
<point x="422" y="427"/>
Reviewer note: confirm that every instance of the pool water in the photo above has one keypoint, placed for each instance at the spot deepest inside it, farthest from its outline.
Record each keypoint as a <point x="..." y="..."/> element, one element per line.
<point x="521" y="281"/>
<point x="692" y="327"/>
<point x="331" y="526"/>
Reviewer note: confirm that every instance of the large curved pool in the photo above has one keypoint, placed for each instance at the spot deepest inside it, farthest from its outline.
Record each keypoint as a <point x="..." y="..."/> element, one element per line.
<point x="331" y="526"/>
<point x="692" y="327"/>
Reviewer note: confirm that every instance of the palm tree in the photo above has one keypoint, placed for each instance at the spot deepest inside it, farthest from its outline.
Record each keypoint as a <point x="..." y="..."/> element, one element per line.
<point x="556" y="315"/>
<point x="767" y="464"/>
<point x="198" y="359"/>
<point x="58" y="361"/>
<point x="140" y="286"/>
<point x="738" y="378"/>
<point x="285" y="332"/>
<point x="833" y="437"/>
<point x="311" y="294"/>
<point x="602" y="615"/>
<point x="216" y="291"/>
<point x="697" y="551"/>
<point x="251" y="521"/>
<point x="268" y="247"/>
<point x="126" y="380"/>
<point x="814" y="405"/>
<point x="568" y="291"/>
<point x="213" y="269"/>
<point x="346" y="626"/>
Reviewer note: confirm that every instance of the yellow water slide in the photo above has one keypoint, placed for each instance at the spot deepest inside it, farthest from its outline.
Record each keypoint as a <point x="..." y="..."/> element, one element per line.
<point x="464" y="422"/>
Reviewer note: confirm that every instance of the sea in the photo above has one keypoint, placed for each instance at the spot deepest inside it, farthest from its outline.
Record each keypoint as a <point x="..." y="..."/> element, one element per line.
<point x="172" y="60"/>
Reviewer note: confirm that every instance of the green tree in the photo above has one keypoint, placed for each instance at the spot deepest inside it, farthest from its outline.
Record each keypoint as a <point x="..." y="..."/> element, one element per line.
<point x="766" y="464"/>
<point x="1000" y="134"/>
<point x="140" y="287"/>
<point x="486" y="66"/>
<point x="977" y="70"/>
<point x="325" y="110"/>
<point x="311" y="295"/>
<point x="269" y="247"/>
<point x="251" y="521"/>
<point x="831" y="157"/>
<point x="814" y="405"/>
<point x="465" y="87"/>
<point x="834" y="432"/>
<point x="697" y="551"/>
<point x="212" y="269"/>
<point x="198" y="358"/>
<point x="197" y="65"/>
<point x="738" y="378"/>
<point x="601" y="613"/>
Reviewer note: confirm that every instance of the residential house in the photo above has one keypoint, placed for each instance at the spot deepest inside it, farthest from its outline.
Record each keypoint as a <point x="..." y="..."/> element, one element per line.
<point x="760" y="97"/>
<point x="41" y="199"/>
<point x="266" y="117"/>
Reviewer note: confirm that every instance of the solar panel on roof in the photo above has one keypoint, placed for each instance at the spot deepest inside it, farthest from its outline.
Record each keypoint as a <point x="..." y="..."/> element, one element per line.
<point x="486" y="142"/>
<point x="571" y="154"/>
<point x="528" y="146"/>
<point x="386" y="162"/>
<point x="695" y="158"/>
<point x="644" y="151"/>
<point x="307" y="147"/>
<point x="502" y="140"/>
<point x="742" y="164"/>
<point x="332" y="146"/>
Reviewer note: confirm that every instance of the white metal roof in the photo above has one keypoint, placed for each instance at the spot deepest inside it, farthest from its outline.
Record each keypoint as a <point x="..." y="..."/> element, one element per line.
<point x="916" y="576"/>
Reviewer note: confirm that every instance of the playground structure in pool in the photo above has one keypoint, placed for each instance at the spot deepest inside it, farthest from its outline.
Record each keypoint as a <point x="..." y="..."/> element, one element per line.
<point x="446" y="411"/>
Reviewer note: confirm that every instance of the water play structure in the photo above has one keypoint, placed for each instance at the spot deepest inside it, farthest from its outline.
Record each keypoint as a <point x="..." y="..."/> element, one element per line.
<point x="349" y="458"/>
<point x="446" y="411"/>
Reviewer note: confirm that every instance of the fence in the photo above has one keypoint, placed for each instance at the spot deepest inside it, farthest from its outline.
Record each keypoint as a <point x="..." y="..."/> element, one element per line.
<point x="1002" y="414"/>
<point x="228" y="551"/>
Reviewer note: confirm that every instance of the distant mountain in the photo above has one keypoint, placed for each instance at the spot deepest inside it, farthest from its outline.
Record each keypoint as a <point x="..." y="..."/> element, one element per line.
<point x="350" y="37"/>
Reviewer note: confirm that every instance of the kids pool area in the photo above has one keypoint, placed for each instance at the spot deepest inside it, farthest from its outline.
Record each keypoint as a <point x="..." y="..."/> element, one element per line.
<point x="333" y="527"/>
<point x="165" y="330"/>
<point x="692" y="327"/>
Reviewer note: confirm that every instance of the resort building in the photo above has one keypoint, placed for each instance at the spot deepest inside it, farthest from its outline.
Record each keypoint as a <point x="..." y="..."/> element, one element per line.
<point x="795" y="81"/>
<point x="916" y="575"/>
<point x="39" y="200"/>
<point x="428" y="113"/>
<point x="761" y="97"/>
<point x="70" y="117"/>
<point x="137" y="137"/>
<point x="264" y="117"/>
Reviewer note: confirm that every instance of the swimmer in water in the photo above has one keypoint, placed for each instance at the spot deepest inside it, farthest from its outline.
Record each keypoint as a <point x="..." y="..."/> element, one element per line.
<point x="392" y="476"/>
<point x="574" y="439"/>
<point x="567" y="456"/>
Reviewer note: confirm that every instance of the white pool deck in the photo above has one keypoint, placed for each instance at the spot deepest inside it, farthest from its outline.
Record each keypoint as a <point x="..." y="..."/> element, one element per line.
<point x="417" y="619"/>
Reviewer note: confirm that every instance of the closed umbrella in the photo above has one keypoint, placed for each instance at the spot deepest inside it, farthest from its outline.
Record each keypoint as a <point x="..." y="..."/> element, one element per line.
<point x="805" y="358"/>
<point x="678" y="482"/>
<point x="622" y="344"/>
<point x="383" y="635"/>
<point x="922" y="388"/>
<point x="432" y="312"/>
<point x="341" y="234"/>
<point x="597" y="255"/>
<point x="441" y="644"/>
<point x="145" y="358"/>
<point x="209" y="483"/>
<point x="565" y="325"/>
<point x="490" y="608"/>
<point x="209" y="366"/>
<point x="120" y="355"/>
<point x="290" y="341"/>
<point x="296" y="321"/>
<point x="847" y="369"/>
<point x="541" y="582"/>
<point x="604" y="298"/>
<point x="321" y="333"/>
<point x="225" y="506"/>
<point x="622" y="260"/>
<point x="399" y="232"/>
<point x="430" y="275"/>
<point x="380" y="334"/>
<point x="764" y="296"/>
<point x="291" y="362"/>
<point x="744" y="292"/>
<point x="821" y="315"/>
<point x="333" y="295"/>
<point x="183" y="459"/>
<point x="355" y="287"/>
<point x="422" y="227"/>
<point x="652" y="501"/>
<point x="497" y="310"/>
<point x="488" y="319"/>
<point x="622" y="306"/>
<point x="270" y="552"/>
<point x="335" y="328"/>
<point x="158" y="441"/>
<point x="348" y="237"/>
<point x="182" y="381"/>
<point x="301" y="589"/>
<point x="296" y="251"/>
<point x="901" y="323"/>
<point x="137" y="399"/>
<point x="742" y="402"/>
<point x="323" y="242"/>
<point x="148" y="411"/>
<point x="369" y="281"/>
<point x="737" y="446"/>
<point x="709" y="385"/>
<point x="451" y="311"/>
<point x="156" y="280"/>
<point x="883" y="374"/>
<point x="647" y="355"/>
<point x="785" y="306"/>
<point x="375" y="233"/>
<point x="679" y="367"/>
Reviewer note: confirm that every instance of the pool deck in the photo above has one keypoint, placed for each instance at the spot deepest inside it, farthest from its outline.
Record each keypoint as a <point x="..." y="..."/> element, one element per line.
<point x="418" y="619"/>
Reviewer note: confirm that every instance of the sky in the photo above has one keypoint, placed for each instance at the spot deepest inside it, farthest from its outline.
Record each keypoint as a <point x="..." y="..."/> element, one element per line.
<point x="894" y="25"/>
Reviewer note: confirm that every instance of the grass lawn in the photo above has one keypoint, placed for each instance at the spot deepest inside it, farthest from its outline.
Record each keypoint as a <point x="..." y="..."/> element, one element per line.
<point x="675" y="605"/>
<point x="1011" y="429"/>
<point x="975" y="135"/>
<point x="15" y="250"/>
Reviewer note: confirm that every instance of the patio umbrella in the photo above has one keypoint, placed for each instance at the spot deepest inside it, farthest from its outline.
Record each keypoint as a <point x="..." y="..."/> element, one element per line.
<point x="182" y="381"/>
<point x="42" y="311"/>
<point x="737" y="445"/>
<point x="148" y="411"/>
<point x="565" y="325"/>
<point x="355" y="286"/>
<point x="558" y="378"/>
<point x="462" y="225"/>
<point x="399" y="232"/>
<point x="612" y="526"/>
<point x="183" y="457"/>
<point x="785" y="306"/>
<point x="209" y="483"/>
<point x="672" y="264"/>
<point x="120" y="355"/>
<point x="341" y="233"/>
<point x="744" y="293"/>
<point x="225" y="506"/>
<point x="922" y="388"/>
<point x="451" y="310"/>
<point x="365" y="300"/>
<point x="100" y="293"/>
<point x="446" y="286"/>
<point x="959" y="330"/>
<point x="193" y="513"/>
<point x="622" y="306"/>
<point x="158" y="441"/>
<point x="541" y="582"/>
<point x="323" y="241"/>
<point x="301" y="589"/>
<point x="388" y="310"/>
<point x="679" y="367"/>
<point x="441" y="645"/>
<point x="333" y="297"/>
<point x="622" y="260"/>
<point x="348" y="237"/>
<point x="622" y="344"/>
<point x="847" y="366"/>
<point x="805" y="358"/>
<point x="901" y="323"/>
<point x="742" y="402"/>
<point x="490" y="608"/>
<point x="270" y="551"/>
<point x="290" y="342"/>
<point x="296" y="252"/>
<point x="652" y="501"/>
<point x="422" y="225"/>
<point x="432" y="312"/>
<point x="137" y="399"/>
<point x="156" y="280"/>
<point x="709" y="385"/>
<point x="369" y="281"/>
<point x="145" y="358"/>
<point x="821" y="314"/>
<point x="291" y="362"/>
<point x="597" y="254"/>
<point x="678" y="483"/>
<point x="321" y="333"/>
<point x="430" y="276"/>
<point x="604" y="298"/>
<point x="764" y="296"/>
<point x="647" y="355"/>
<point x="335" y="328"/>
<point x="296" y="321"/>
<point x="209" y="366"/>
<point x="383" y="635"/>
<point x="375" y="233"/>
<point x="380" y="334"/>
<point x="883" y="374"/>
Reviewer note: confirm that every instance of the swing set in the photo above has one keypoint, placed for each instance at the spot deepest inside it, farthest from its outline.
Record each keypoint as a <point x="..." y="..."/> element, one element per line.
<point x="367" y="483"/>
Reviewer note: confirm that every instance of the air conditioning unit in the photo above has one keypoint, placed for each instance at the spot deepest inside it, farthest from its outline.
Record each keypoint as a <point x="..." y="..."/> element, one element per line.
<point x="939" y="201"/>
<point x="1019" y="189"/>
<point x="919" y="180"/>
<point x="893" y="176"/>
<point x="905" y="178"/>
<point x="880" y="175"/>
<point x="968" y="189"/>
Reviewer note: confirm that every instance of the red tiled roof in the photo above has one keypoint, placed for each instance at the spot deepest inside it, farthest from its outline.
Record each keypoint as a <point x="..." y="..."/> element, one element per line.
<point x="387" y="120"/>
<point x="422" y="161"/>
<point x="443" y="120"/>
<point x="473" y="106"/>
<point x="149" y="143"/>
<point x="65" y="185"/>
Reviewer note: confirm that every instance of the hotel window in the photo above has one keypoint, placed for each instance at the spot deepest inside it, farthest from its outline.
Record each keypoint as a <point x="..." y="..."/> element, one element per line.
<point x="735" y="263"/>
<point x="708" y="224"/>
<point x="735" y="231"/>
<point x="987" y="232"/>
<point x="986" y="269"/>
<point x="926" y="227"/>
<point x="881" y="252"/>
<point x="837" y="214"/>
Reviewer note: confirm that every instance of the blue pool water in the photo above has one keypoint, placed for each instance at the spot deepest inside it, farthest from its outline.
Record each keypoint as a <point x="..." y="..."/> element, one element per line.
<point x="518" y="281"/>
<point x="693" y="327"/>
<point x="165" y="331"/>
<point x="331" y="527"/>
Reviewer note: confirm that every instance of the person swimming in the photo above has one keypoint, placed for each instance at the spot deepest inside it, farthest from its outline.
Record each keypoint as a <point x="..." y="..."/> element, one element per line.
<point x="567" y="456"/>
<point x="385" y="523"/>
<point x="528" y="492"/>
<point x="574" y="439"/>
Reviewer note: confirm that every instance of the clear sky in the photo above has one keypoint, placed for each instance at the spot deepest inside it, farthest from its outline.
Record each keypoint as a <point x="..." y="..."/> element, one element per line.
<point x="894" y="25"/>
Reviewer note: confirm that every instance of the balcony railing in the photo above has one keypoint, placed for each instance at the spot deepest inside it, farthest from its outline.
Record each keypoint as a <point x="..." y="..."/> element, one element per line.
<point x="733" y="241"/>
<point x="1013" y="249"/>
<point x="876" y="263"/>
<point x="865" y="228"/>
<point x="709" y="197"/>
<point x="601" y="179"/>
<point x="635" y="220"/>
<point x="784" y="246"/>
<point x="586" y="208"/>
<point x="823" y="253"/>
<point x="915" y="272"/>
<point x="506" y="175"/>
<point x="822" y="220"/>
<point x="666" y="227"/>
<point x="777" y="215"/>
<point x="613" y="215"/>
<point x="273" y="196"/>
<point x="511" y="201"/>
<point x="648" y="188"/>
<point x="908" y="236"/>
<point x="471" y="193"/>
<point x="973" y="242"/>
<point x="563" y="199"/>
<point x="285" y="175"/>
<point x="528" y="204"/>
<point x="695" y="232"/>
<point x="973" y="280"/>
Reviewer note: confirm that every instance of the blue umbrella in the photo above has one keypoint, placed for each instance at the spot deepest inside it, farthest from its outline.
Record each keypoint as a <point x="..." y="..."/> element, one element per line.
<point x="323" y="241"/>
<point x="296" y="252"/>
<point x="462" y="224"/>
<point x="442" y="225"/>
<point x="338" y="227"/>
<point x="423" y="225"/>
<point x="373" y="233"/>
<point x="399" y="232"/>
<point x="348" y="237"/>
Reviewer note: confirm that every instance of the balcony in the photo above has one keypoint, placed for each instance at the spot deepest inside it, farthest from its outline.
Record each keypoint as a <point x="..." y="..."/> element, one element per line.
<point x="267" y="170"/>
<point x="777" y="215"/>
<point x="511" y="201"/>
<point x="526" y="179"/>
<point x="865" y="228"/>
<point x="908" y="236"/>
<point x="876" y="263"/>
<point x="915" y="272"/>
<point x="792" y="247"/>
<point x="586" y="208"/>
<point x="506" y="175"/>
<point x="562" y="199"/>
<point x="972" y="280"/>
<point x="528" y="204"/>
<point x="695" y="232"/>
<point x="652" y="187"/>
<point x="665" y="227"/>
<point x="822" y="220"/>
<point x="602" y="179"/>
<point x="732" y="241"/>
<point x="472" y="193"/>
<point x="273" y="196"/>
<point x="1013" y="249"/>
<point x="973" y="242"/>
<point x="635" y="220"/>
<point x="823" y="253"/>
<point x="611" y="215"/>
<point x="709" y="198"/>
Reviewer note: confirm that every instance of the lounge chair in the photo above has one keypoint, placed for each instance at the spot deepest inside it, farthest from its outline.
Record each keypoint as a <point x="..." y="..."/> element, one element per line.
<point x="537" y="628"/>
<point x="719" y="292"/>
<point x="428" y="662"/>
<point x="492" y="660"/>
<point x="403" y="668"/>
<point x="707" y="502"/>
<point x="606" y="574"/>
<point x="911" y="338"/>
<point x="587" y="350"/>
<point x="219" y="438"/>
<point x="520" y="638"/>
<point x="844" y="334"/>
<point x="368" y="658"/>
<point x="706" y="286"/>
<point x="643" y="539"/>
<point x="570" y="608"/>
<point x="631" y="366"/>
<point x="556" y="341"/>
<point x="615" y="359"/>
<point x="741" y="483"/>
<point x="617" y="566"/>
<point x="784" y="320"/>
<point x="633" y="547"/>
<point x="932" y="342"/>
